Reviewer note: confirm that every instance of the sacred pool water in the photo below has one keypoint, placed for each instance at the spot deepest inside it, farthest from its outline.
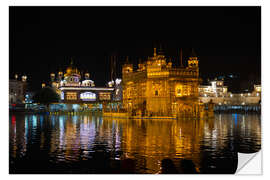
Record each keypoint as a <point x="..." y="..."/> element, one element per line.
<point x="94" y="144"/>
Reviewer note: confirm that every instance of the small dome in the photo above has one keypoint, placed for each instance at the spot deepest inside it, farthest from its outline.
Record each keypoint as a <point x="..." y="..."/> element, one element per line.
<point x="69" y="70"/>
<point x="72" y="70"/>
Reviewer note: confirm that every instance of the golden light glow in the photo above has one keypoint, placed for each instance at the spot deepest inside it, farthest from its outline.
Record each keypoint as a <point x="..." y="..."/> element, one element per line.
<point x="104" y="95"/>
<point x="179" y="90"/>
<point x="152" y="89"/>
<point x="71" y="95"/>
<point x="258" y="88"/>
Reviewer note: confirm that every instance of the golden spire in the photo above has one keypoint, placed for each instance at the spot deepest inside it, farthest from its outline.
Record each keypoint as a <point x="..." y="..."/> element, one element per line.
<point x="155" y="52"/>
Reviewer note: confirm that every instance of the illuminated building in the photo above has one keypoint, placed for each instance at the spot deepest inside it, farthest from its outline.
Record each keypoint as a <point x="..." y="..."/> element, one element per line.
<point x="17" y="90"/>
<point x="257" y="88"/>
<point x="215" y="89"/>
<point x="218" y="94"/>
<point x="157" y="88"/>
<point x="117" y="95"/>
<point x="252" y="98"/>
<point x="75" y="89"/>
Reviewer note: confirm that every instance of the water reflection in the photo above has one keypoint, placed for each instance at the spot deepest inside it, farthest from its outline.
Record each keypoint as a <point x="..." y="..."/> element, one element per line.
<point x="92" y="144"/>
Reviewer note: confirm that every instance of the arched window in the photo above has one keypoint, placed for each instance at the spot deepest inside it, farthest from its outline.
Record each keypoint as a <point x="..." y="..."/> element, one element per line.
<point x="156" y="93"/>
<point x="179" y="90"/>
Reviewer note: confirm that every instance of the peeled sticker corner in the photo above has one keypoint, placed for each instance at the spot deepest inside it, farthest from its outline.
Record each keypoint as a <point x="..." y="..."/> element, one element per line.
<point x="249" y="164"/>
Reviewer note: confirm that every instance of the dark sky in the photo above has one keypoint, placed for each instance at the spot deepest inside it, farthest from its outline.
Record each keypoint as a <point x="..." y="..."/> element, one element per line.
<point x="43" y="39"/>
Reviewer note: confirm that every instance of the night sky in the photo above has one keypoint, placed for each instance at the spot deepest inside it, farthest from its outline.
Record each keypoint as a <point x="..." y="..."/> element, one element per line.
<point x="44" y="39"/>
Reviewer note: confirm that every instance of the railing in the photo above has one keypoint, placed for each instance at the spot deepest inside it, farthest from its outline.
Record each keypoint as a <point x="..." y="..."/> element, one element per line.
<point x="256" y="108"/>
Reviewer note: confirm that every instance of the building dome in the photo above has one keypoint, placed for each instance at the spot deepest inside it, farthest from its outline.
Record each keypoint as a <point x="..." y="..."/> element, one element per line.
<point x="71" y="69"/>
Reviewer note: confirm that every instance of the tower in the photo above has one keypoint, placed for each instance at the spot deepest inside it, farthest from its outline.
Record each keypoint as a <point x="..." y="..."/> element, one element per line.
<point x="52" y="77"/>
<point x="87" y="76"/>
<point x="24" y="77"/>
<point x="127" y="67"/>
<point x="60" y="75"/>
<point x="193" y="61"/>
<point x="155" y="52"/>
<point x="141" y="65"/>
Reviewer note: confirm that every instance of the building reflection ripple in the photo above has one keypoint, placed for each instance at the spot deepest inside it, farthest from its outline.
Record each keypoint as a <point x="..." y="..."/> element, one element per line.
<point x="93" y="144"/>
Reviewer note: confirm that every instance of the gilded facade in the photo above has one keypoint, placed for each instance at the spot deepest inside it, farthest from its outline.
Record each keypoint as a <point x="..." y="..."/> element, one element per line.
<point x="157" y="88"/>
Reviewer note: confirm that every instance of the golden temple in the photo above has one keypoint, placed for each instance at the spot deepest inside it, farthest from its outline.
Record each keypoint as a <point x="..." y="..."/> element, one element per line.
<point x="157" y="88"/>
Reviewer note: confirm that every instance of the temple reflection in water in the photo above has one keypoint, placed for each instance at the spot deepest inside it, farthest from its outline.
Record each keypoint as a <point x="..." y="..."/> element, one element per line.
<point x="81" y="139"/>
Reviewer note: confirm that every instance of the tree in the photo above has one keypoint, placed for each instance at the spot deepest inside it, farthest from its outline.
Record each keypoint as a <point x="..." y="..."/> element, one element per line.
<point x="46" y="96"/>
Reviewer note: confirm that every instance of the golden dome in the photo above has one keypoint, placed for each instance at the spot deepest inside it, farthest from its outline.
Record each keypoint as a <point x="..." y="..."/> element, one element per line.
<point x="71" y="70"/>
